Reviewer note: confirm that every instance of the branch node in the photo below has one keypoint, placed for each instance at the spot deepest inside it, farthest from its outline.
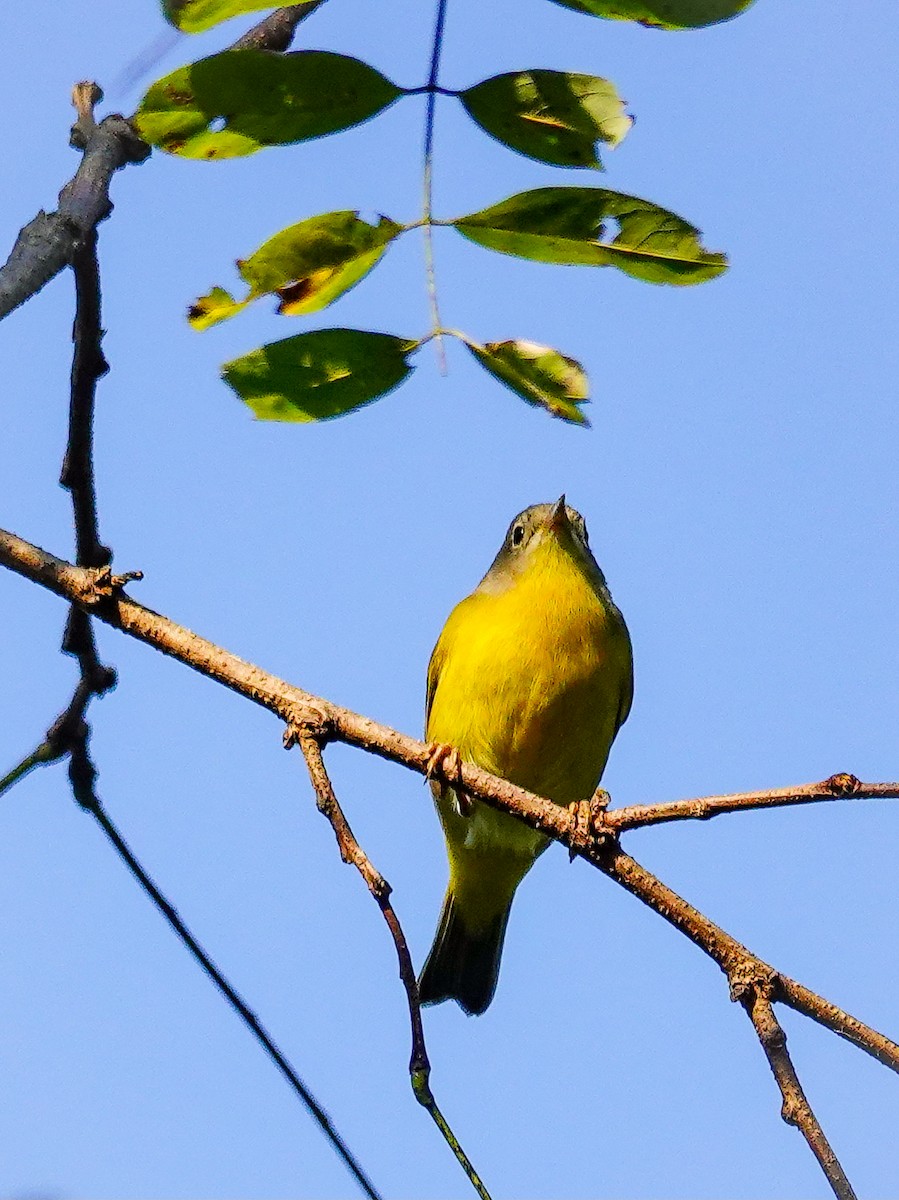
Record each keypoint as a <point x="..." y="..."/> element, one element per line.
<point x="102" y="585"/>
<point x="790" y="1111"/>
<point x="842" y="785"/>
<point x="307" y="722"/>
<point x="748" y="978"/>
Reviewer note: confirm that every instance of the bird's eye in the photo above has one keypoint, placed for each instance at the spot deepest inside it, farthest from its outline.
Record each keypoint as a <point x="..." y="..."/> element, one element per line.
<point x="517" y="535"/>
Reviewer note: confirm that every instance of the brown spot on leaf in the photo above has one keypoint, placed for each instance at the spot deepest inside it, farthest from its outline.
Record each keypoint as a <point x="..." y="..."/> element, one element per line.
<point x="294" y="293"/>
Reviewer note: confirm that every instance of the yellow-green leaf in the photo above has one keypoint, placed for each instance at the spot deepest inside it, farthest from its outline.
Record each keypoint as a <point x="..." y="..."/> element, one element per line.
<point x="595" y="227"/>
<point x="554" y="116"/>
<point x="662" y="14"/>
<point x="217" y="305"/>
<point x="193" y="16"/>
<point x="316" y="376"/>
<point x="307" y="265"/>
<point x="236" y="102"/>
<point x="539" y="374"/>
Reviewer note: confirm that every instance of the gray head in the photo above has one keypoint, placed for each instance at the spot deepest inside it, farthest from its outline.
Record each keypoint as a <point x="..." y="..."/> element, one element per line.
<point x="531" y="530"/>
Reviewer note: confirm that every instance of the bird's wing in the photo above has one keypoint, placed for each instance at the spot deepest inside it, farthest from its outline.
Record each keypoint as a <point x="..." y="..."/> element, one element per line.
<point x="438" y="657"/>
<point x="444" y="646"/>
<point x="627" y="690"/>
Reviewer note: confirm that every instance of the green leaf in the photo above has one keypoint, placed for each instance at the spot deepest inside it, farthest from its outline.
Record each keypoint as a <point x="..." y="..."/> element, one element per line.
<point x="575" y="225"/>
<point x="308" y="265"/>
<point x="539" y="374"/>
<point x="193" y="16"/>
<point x="662" y="14"/>
<point x="236" y="102"/>
<point x="554" y="116"/>
<point x="315" y="376"/>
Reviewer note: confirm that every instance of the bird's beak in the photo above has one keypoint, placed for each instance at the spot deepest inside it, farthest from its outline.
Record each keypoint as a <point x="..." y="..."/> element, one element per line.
<point x="557" y="517"/>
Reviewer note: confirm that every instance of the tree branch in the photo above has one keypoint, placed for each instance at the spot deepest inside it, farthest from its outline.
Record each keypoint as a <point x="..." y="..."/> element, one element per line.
<point x="838" y="787"/>
<point x="95" y="808"/>
<point x="796" y="1109"/>
<point x="276" y="31"/>
<point x="352" y="853"/>
<point x="51" y="240"/>
<point x="99" y="592"/>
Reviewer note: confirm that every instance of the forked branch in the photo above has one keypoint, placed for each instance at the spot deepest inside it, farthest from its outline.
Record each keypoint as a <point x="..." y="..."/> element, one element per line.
<point x="796" y="1109"/>
<point x="100" y="593"/>
<point x="352" y="853"/>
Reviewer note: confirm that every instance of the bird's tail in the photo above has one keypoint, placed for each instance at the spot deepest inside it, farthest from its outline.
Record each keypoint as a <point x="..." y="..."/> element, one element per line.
<point x="464" y="963"/>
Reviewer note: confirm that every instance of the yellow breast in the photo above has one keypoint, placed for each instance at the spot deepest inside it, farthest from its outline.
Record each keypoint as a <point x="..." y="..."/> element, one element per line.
<point x="532" y="681"/>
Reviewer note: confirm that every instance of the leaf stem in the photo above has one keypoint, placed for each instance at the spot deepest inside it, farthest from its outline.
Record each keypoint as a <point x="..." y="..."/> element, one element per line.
<point x="428" y="179"/>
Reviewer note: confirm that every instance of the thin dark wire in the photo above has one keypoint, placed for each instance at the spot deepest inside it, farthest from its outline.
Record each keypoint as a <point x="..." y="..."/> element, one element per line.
<point x="247" y="1016"/>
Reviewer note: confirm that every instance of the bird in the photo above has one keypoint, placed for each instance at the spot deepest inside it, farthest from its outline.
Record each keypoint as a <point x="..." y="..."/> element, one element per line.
<point x="531" y="679"/>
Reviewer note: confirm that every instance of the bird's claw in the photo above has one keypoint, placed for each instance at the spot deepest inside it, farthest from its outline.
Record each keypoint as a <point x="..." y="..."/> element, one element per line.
<point x="586" y="821"/>
<point x="446" y="760"/>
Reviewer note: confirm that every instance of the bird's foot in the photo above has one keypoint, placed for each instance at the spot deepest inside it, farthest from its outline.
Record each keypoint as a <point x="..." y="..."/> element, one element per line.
<point x="446" y="760"/>
<point x="586" y="821"/>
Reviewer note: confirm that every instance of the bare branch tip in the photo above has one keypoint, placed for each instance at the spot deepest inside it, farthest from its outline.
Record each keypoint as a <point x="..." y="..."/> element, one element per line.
<point x="85" y="96"/>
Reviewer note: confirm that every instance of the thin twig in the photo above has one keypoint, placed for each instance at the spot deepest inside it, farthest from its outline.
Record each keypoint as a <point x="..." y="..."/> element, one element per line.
<point x="742" y="968"/>
<point x="352" y="853"/>
<point x="70" y="733"/>
<point x="838" y="787"/>
<point x="92" y="804"/>
<point x="88" y="366"/>
<point x="37" y="758"/>
<point x="428" y="182"/>
<point x="796" y="1109"/>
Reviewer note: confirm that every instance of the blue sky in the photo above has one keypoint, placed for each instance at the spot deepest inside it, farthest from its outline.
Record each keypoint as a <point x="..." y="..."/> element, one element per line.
<point x="740" y="487"/>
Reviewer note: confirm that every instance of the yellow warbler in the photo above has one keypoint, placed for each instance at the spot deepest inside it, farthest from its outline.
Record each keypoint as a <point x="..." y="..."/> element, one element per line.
<point x="530" y="679"/>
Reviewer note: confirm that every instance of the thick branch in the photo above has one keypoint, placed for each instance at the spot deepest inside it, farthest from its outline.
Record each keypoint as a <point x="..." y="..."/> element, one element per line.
<point x="51" y="240"/>
<point x="98" y="592"/>
<point x="276" y="31"/>
<point x="351" y="852"/>
<point x="837" y="787"/>
<point x="796" y="1109"/>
